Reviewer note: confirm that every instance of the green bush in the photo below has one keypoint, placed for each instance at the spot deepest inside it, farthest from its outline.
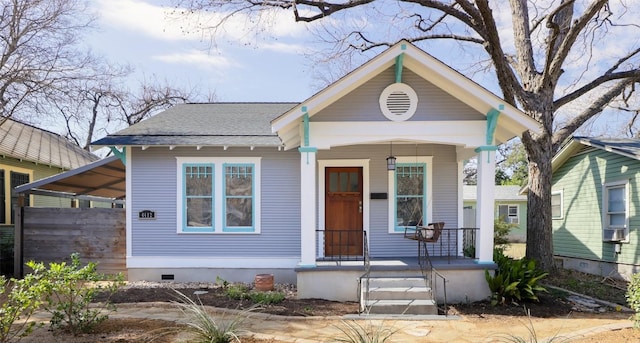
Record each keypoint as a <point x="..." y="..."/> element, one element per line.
<point x="633" y="298"/>
<point x="501" y="231"/>
<point x="241" y="292"/>
<point x="70" y="289"/>
<point x="237" y="291"/>
<point x="266" y="298"/>
<point x="514" y="279"/>
<point x="19" y="300"/>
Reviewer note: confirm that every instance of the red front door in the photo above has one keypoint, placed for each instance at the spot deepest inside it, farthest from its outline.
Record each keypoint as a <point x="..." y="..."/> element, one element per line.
<point x="343" y="211"/>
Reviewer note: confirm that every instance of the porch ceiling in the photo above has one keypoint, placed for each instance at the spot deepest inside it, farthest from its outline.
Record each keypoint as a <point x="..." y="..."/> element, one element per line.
<point x="101" y="179"/>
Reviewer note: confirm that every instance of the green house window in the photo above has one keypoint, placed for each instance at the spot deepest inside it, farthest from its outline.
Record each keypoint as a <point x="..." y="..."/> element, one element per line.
<point x="615" y="211"/>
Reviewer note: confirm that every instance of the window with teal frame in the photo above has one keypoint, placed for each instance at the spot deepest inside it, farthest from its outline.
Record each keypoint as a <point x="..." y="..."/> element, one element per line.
<point x="198" y="195"/>
<point x="239" y="193"/>
<point x="410" y="199"/>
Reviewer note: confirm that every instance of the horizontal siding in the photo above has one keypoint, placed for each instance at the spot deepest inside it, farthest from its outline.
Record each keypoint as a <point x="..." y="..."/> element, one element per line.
<point x="362" y="103"/>
<point x="445" y="203"/>
<point x="154" y="188"/>
<point x="579" y="233"/>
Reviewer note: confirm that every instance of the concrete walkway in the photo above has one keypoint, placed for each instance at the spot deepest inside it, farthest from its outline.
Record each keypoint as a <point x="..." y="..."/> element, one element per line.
<point x="416" y="329"/>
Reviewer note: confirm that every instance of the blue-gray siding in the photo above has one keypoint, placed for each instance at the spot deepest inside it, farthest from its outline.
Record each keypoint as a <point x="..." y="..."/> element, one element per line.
<point x="154" y="188"/>
<point x="362" y="103"/>
<point x="445" y="194"/>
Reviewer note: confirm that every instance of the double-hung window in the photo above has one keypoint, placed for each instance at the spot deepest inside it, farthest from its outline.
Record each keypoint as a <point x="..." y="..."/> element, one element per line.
<point x="219" y="195"/>
<point x="410" y="186"/>
<point x="557" y="207"/>
<point x="238" y="197"/>
<point x="198" y="197"/>
<point x="508" y="213"/>
<point x="615" y="211"/>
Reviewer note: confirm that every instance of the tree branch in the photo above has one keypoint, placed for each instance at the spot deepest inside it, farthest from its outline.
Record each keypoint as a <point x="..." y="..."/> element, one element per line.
<point x="597" y="106"/>
<point x="557" y="53"/>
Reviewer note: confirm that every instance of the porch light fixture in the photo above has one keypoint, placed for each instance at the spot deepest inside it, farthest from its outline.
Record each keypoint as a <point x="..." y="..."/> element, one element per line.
<point x="391" y="160"/>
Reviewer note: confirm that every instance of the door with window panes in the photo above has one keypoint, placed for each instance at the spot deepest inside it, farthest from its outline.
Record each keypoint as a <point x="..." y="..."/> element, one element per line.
<point x="343" y="211"/>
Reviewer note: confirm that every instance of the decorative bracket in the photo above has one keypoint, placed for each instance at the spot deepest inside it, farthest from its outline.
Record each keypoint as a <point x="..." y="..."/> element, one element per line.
<point x="122" y="155"/>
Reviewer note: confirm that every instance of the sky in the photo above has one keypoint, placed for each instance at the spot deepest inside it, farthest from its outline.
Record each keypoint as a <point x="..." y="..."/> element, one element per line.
<point x="144" y="34"/>
<point x="276" y="66"/>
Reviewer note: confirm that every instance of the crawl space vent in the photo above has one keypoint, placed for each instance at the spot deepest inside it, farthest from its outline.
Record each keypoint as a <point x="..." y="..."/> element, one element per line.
<point x="398" y="102"/>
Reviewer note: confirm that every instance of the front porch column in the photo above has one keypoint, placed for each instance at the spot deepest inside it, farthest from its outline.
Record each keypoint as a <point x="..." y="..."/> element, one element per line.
<point x="485" y="212"/>
<point x="308" y="206"/>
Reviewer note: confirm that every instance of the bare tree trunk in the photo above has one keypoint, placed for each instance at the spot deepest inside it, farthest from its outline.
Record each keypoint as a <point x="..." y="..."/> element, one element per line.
<point x="539" y="229"/>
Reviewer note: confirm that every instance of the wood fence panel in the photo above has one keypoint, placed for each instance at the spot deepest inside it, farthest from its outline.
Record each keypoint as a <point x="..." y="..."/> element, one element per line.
<point x="97" y="234"/>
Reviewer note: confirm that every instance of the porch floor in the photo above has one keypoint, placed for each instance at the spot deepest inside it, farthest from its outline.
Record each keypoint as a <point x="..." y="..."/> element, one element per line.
<point x="405" y="263"/>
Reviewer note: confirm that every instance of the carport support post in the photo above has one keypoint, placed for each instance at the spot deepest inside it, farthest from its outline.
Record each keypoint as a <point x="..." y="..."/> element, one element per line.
<point x="18" y="235"/>
<point x="308" y="206"/>
<point x="485" y="203"/>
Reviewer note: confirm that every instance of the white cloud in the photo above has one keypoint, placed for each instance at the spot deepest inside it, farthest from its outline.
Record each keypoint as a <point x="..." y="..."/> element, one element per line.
<point x="161" y="21"/>
<point x="197" y="58"/>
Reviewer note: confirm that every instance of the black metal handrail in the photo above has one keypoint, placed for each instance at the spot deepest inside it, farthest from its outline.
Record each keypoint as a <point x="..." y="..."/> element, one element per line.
<point x="365" y="277"/>
<point x="429" y="273"/>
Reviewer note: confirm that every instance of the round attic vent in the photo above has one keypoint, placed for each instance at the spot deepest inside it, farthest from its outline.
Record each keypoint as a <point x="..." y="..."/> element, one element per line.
<point x="398" y="102"/>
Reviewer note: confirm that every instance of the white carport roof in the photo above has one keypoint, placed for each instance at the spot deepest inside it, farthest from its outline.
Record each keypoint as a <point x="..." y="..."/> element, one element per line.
<point x="103" y="180"/>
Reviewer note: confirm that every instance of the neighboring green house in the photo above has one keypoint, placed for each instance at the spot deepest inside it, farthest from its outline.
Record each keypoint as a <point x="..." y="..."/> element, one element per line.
<point x="595" y="207"/>
<point x="28" y="154"/>
<point x="510" y="205"/>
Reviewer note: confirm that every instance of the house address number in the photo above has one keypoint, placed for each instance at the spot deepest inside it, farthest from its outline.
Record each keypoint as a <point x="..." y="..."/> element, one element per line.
<point x="147" y="214"/>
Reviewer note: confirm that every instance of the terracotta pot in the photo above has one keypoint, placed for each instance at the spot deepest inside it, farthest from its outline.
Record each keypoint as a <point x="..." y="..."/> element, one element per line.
<point x="264" y="282"/>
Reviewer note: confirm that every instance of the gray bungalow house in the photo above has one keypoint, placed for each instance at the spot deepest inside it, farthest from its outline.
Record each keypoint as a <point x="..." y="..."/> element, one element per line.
<point x="595" y="209"/>
<point x="324" y="192"/>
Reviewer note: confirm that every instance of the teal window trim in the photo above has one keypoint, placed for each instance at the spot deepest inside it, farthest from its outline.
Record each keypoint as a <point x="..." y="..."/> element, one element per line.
<point x="398" y="228"/>
<point x="185" y="197"/>
<point x="226" y="228"/>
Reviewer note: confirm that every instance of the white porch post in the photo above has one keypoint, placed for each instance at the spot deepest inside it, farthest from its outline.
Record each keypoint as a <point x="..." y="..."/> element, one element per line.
<point x="308" y="206"/>
<point x="485" y="203"/>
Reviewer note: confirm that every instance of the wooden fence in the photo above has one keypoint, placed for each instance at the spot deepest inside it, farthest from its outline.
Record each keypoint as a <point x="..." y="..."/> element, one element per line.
<point x="53" y="234"/>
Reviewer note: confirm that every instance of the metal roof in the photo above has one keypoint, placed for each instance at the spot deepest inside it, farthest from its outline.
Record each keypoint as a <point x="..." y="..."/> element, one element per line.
<point x="218" y="124"/>
<point x="101" y="179"/>
<point x="501" y="193"/>
<point x="29" y="143"/>
<point x="629" y="147"/>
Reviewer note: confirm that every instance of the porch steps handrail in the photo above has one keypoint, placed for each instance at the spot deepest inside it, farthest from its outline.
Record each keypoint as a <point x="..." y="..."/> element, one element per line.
<point x="429" y="273"/>
<point x="365" y="277"/>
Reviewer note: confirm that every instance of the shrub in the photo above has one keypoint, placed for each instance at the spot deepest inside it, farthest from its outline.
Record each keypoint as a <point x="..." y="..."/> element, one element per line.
<point x="70" y="289"/>
<point x="514" y="279"/>
<point x="19" y="299"/>
<point x="501" y="231"/>
<point x="205" y="328"/>
<point x="241" y="292"/>
<point x="633" y="298"/>
<point x="266" y="298"/>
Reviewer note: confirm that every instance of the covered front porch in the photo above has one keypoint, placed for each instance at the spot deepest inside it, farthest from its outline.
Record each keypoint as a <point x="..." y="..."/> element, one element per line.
<point x="382" y="151"/>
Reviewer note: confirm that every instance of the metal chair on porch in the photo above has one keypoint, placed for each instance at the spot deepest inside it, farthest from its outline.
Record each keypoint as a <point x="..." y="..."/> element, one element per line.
<point x="429" y="233"/>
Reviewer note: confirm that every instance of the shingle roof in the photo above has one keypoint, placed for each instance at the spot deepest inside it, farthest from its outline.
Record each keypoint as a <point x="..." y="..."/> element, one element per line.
<point x="502" y="193"/>
<point x="247" y="124"/>
<point x="29" y="143"/>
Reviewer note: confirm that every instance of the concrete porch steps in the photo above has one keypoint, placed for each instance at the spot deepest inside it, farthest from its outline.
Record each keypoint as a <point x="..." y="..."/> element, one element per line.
<point x="399" y="295"/>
